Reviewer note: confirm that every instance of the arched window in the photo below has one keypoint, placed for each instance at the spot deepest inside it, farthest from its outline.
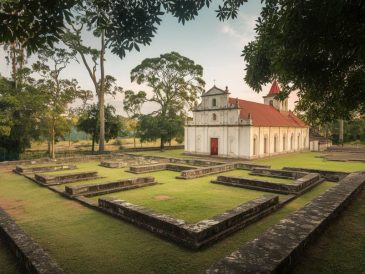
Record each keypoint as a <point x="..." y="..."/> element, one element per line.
<point x="254" y="151"/>
<point x="265" y="144"/>
<point x="214" y="117"/>
<point x="305" y="142"/>
<point x="275" y="143"/>
<point x="284" y="143"/>
<point x="298" y="143"/>
<point x="292" y="141"/>
<point x="271" y="102"/>
<point x="214" y="102"/>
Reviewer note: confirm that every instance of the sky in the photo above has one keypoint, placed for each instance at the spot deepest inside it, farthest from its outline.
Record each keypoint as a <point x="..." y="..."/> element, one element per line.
<point x="217" y="46"/>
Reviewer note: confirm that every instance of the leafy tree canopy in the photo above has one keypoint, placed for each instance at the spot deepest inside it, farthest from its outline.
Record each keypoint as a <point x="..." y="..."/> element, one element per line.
<point x="316" y="47"/>
<point x="89" y="119"/>
<point x="127" y="23"/>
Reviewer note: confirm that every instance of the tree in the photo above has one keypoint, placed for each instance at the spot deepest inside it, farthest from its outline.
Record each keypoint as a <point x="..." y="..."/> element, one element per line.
<point x="58" y="92"/>
<point x="315" y="47"/>
<point x="132" y="105"/>
<point x="33" y="23"/>
<point x="127" y="23"/>
<point x="88" y="122"/>
<point x="20" y="112"/>
<point x="176" y="82"/>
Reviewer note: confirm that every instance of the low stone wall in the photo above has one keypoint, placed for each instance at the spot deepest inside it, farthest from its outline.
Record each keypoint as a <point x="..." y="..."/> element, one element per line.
<point x="187" y="161"/>
<point x="276" y="250"/>
<point x="205" y="171"/>
<point x="113" y="164"/>
<point x="158" y="167"/>
<point x="278" y="173"/>
<point x="32" y="169"/>
<point x="196" y="235"/>
<point x="65" y="178"/>
<point x="248" y="166"/>
<point x="297" y="187"/>
<point x="328" y="175"/>
<point x="109" y="187"/>
<point x="29" y="254"/>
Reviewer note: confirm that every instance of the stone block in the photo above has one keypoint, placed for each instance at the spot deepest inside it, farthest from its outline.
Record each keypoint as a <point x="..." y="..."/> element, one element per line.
<point x="65" y="178"/>
<point x="109" y="187"/>
<point x="39" y="169"/>
<point x="297" y="187"/>
<point x="28" y="253"/>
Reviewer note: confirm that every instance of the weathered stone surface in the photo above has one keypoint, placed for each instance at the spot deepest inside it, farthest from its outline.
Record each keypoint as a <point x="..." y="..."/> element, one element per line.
<point x="65" y="178"/>
<point x="32" y="169"/>
<point x="109" y="187"/>
<point x="278" y="173"/>
<point x="32" y="257"/>
<point x="158" y="167"/>
<point x="249" y="166"/>
<point x="276" y="250"/>
<point x="191" y="235"/>
<point x="296" y="187"/>
<point x="188" y="161"/>
<point x="205" y="171"/>
<point x="328" y="175"/>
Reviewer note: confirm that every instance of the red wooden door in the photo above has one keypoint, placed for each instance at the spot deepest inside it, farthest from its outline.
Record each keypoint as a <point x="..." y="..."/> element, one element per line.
<point x="213" y="146"/>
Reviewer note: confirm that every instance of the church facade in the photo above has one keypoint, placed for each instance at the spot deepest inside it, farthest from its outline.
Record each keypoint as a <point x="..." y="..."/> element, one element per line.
<point x="231" y="127"/>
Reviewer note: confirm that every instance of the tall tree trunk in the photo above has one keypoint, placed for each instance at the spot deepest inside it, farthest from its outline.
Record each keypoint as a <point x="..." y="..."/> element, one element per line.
<point x="13" y="62"/>
<point x="101" y="97"/>
<point x="53" y="156"/>
<point x="340" y="133"/>
<point x="93" y="144"/>
<point x="162" y="143"/>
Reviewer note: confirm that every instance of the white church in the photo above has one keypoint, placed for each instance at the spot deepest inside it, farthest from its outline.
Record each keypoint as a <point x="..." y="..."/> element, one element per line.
<point x="231" y="127"/>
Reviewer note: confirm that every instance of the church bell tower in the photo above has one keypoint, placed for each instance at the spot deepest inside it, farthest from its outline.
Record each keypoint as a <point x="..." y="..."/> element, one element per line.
<point x="269" y="99"/>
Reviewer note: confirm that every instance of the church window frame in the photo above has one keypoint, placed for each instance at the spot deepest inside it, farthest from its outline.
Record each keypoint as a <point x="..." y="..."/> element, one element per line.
<point x="275" y="143"/>
<point x="266" y="143"/>
<point x="254" y="143"/>
<point x="214" y="102"/>
<point x="284" y="142"/>
<point x="214" y="117"/>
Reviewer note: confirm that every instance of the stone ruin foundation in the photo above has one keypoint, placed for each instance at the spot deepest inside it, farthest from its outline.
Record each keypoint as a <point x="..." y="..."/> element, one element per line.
<point x="197" y="235"/>
<point x="65" y="178"/>
<point x="109" y="187"/>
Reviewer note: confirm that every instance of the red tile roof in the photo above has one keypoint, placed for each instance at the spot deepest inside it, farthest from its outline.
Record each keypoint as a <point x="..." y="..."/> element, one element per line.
<point x="266" y="115"/>
<point x="275" y="89"/>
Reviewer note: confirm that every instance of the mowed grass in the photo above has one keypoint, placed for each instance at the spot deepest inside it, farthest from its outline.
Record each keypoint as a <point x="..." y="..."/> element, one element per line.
<point x="83" y="240"/>
<point x="341" y="248"/>
<point x="192" y="200"/>
<point x="8" y="263"/>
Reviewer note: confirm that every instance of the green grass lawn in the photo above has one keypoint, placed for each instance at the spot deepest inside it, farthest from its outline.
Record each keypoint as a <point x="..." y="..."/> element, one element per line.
<point x="309" y="160"/>
<point x="83" y="240"/>
<point x="8" y="262"/>
<point x="191" y="200"/>
<point x="341" y="248"/>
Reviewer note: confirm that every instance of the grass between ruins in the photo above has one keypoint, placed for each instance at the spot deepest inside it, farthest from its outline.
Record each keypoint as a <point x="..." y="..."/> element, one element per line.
<point x="82" y="240"/>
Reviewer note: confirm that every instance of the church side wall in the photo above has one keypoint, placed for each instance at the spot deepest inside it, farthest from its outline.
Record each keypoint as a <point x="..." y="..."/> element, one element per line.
<point x="266" y="141"/>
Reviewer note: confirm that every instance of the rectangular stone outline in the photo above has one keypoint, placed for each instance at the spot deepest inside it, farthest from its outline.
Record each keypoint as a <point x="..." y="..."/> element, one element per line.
<point x="197" y="235"/>
<point x="31" y="169"/>
<point x="158" y="167"/>
<point x="276" y="250"/>
<point x="329" y="175"/>
<point x="42" y="179"/>
<point x="90" y="190"/>
<point x="30" y="254"/>
<point x="297" y="187"/>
